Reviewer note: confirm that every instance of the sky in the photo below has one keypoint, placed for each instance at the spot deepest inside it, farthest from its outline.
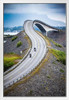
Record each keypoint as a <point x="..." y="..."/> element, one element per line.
<point x="16" y="14"/>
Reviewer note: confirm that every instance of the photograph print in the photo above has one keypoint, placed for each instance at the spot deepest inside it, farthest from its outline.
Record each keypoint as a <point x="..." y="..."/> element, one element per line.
<point x="34" y="44"/>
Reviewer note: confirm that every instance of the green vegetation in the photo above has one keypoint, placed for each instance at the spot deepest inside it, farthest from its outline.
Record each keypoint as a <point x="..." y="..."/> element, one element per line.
<point x="10" y="60"/>
<point x="48" y="76"/>
<point x="19" y="44"/>
<point x="61" y="70"/>
<point x="11" y="53"/>
<point x="15" y="37"/>
<point x="60" y="55"/>
<point x="56" y="44"/>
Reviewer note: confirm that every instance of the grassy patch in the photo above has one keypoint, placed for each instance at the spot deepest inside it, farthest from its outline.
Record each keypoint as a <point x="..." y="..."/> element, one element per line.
<point x="11" y="53"/>
<point x="61" y="70"/>
<point x="26" y="37"/>
<point x="56" y="44"/>
<point x="19" y="44"/>
<point x="10" y="60"/>
<point x="14" y="38"/>
<point x="60" y="55"/>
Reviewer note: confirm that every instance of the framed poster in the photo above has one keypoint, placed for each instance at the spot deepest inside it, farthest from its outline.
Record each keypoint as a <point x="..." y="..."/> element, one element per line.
<point x="34" y="49"/>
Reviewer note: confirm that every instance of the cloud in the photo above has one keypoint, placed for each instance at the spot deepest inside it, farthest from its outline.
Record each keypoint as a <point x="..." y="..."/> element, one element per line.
<point x="53" y="11"/>
<point x="22" y="8"/>
<point x="33" y="8"/>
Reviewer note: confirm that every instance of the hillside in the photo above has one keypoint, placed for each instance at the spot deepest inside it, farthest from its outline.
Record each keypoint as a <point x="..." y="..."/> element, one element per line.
<point x="48" y="79"/>
<point x="59" y="37"/>
<point x="15" y="48"/>
<point x="10" y="46"/>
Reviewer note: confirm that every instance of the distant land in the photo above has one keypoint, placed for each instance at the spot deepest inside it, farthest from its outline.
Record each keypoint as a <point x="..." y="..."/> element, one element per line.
<point x="51" y="22"/>
<point x="20" y="28"/>
<point x="13" y="29"/>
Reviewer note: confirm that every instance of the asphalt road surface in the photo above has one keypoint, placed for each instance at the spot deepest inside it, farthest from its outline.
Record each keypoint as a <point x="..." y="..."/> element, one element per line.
<point x="30" y="62"/>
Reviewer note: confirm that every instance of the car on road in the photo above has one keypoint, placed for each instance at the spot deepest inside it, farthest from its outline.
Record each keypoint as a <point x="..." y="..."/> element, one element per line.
<point x="30" y="55"/>
<point x="34" y="49"/>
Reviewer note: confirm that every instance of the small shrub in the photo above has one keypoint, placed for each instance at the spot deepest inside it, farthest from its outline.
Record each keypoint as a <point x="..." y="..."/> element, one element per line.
<point x="61" y="70"/>
<point x="19" y="44"/>
<point x="60" y="55"/>
<point x="15" y="37"/>
<point x="48" y="76"/>
<point x="11" y="53"/>
<point x="58" y="45"/>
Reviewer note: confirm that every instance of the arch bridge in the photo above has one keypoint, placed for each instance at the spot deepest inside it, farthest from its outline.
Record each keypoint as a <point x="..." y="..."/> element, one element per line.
<point x="44" y="28"/>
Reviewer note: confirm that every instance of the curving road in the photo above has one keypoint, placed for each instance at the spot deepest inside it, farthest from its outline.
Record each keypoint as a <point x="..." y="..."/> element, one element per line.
<point x="29" y="63"/>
